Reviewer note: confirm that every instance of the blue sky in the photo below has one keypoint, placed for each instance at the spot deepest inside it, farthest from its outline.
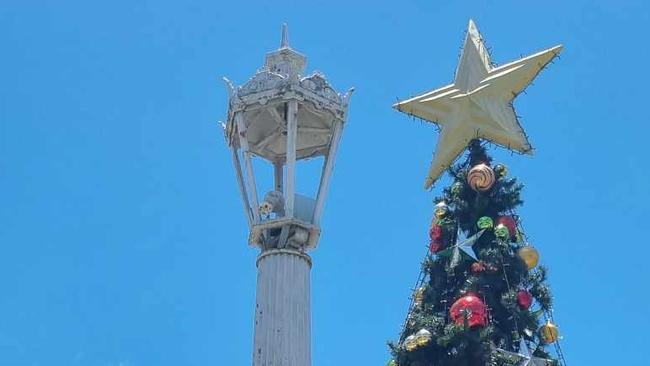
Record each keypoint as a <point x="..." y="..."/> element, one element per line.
<point x="122" y="234"/>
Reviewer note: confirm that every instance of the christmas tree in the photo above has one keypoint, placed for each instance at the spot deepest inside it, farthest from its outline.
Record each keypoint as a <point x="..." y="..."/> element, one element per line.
<point x="482" y="298"/>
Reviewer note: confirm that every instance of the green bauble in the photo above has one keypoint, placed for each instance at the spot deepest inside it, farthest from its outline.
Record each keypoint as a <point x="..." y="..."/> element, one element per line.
<point x="501" y="231"/>
<point x="391" y="363"/>
<point x="457" y="188"/>
<point x="485" y="223"/>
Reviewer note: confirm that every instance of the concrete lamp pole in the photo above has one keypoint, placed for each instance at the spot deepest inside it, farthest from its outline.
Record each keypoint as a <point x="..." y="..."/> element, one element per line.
<point x="283" y="118"/>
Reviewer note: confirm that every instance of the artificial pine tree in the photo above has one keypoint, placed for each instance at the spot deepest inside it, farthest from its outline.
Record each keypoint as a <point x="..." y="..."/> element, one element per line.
<point x="482" y="298"/>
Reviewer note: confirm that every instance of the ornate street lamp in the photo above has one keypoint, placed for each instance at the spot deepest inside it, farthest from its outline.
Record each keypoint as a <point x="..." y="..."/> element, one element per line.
<point x="283" y="118"/>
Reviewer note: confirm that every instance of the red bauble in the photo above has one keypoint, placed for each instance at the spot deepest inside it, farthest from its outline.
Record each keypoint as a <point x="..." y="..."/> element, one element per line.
<point x="477" y="267"/>
<point x="469" y="306"/>
<point x="508" y="222"/>
<point x="436" y="232"/>
<point x="435" y="246"/>
<point x="524" y="299"/>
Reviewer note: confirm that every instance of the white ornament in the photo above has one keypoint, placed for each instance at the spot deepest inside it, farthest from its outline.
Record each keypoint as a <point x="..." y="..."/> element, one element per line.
<point x="478" y="104"/>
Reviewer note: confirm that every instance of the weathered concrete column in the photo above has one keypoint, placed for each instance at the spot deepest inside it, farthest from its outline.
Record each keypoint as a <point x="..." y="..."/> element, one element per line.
<point x="283" y="309"/>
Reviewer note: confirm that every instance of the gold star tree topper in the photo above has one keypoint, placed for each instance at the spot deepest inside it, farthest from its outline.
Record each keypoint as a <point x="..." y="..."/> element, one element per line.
<point x="478" y="104"/>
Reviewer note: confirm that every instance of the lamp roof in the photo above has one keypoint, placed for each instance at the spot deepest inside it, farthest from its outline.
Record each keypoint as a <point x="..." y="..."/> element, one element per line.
<point x="262" y="102"/>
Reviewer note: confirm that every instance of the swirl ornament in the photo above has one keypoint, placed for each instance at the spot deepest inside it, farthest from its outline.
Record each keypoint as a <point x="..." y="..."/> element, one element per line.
<point x="481" y="177"/>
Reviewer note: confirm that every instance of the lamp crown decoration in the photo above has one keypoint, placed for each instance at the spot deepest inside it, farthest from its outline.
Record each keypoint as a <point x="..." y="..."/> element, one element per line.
<point x="285" y="60"/>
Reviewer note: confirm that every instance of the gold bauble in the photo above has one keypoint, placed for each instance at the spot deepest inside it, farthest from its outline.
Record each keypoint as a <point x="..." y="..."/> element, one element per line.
<point x="530" y="256"/>
<point x="441" y="210"/>
<point x="410" y="344"/>
<point x="549" y="333"/>
<point x="423" y="337"/>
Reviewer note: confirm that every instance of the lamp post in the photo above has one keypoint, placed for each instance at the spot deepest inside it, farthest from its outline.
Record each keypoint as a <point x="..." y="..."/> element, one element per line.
<point x="283" y="118"/>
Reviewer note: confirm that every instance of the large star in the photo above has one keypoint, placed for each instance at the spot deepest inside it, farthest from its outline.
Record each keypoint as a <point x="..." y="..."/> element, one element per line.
<point x="478" y="104"/>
